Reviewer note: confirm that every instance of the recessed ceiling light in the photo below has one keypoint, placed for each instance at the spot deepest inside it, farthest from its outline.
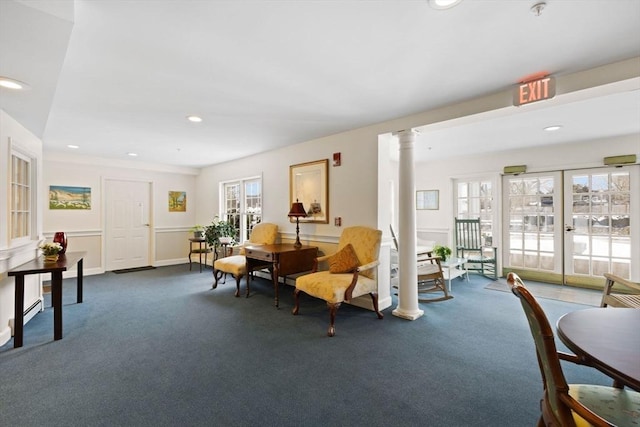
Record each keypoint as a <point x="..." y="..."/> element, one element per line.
<point x="553" y="128"/>
<point x="72" y="146"/>
<point x="194" y="119"/>
<point x="132" y="154"/>
<point x="10" y="83"/>
<point x="443" y="4"/>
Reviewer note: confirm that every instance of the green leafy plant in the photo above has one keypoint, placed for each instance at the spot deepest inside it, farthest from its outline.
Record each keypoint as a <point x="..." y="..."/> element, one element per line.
<point x="442" y="251"/>
<point x="218" y="229"/>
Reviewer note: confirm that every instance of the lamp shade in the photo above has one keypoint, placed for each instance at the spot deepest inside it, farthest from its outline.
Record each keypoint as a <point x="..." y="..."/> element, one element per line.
<point x="297" y="210"/>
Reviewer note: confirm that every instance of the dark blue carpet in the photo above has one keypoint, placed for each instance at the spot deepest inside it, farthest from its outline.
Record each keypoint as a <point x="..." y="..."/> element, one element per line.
<point x="160" y="347"/>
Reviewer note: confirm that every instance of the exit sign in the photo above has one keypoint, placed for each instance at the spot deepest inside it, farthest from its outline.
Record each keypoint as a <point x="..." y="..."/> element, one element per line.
<point x="534" y="90"/>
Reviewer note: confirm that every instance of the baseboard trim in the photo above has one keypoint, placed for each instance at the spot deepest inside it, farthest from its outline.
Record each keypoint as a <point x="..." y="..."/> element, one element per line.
<point x="29" y="314"/>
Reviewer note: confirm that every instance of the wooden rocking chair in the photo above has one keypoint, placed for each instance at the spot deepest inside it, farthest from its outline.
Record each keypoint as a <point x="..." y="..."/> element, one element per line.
<point x="470" y="246"/>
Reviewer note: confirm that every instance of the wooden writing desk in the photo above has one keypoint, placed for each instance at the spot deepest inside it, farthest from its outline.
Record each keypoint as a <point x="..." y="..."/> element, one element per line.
<point x="38" y="266"/>
<point x="280" y="259"/>
<point x="607" y="339"/>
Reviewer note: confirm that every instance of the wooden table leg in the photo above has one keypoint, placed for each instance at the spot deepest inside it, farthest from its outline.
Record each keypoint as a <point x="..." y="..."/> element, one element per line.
<point x="274" y="277"/>
<point x="79" y="278"/>
<point x="56" y="302"/>
<point x="18" y="315"/>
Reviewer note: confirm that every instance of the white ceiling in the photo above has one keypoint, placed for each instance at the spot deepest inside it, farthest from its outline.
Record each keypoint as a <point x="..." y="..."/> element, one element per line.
<point x="264" y="74"/>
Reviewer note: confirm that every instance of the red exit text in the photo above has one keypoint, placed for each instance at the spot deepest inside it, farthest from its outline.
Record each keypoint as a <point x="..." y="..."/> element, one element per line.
<point x="534" y="90"/>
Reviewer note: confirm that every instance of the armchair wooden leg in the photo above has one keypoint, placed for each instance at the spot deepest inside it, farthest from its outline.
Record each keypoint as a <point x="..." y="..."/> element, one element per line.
<point x="217" y="275"/>
<point x="238" y="286"/>
<point x="374" y="299"/>
<point x="296" y="302"/>
<point x="333" y="309"/>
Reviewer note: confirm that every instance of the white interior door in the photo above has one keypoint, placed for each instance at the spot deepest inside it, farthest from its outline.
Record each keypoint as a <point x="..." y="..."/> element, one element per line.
<point x="127" y="225"/>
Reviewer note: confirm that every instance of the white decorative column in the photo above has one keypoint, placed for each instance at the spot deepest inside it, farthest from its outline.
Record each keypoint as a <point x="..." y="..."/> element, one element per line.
<point x="407" y="256"/>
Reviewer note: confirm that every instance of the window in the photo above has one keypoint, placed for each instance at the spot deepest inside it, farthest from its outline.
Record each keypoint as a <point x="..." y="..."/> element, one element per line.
<point x="21" y="194"/>
<point x="242" y="205"/>
<point x="474" y="199"/>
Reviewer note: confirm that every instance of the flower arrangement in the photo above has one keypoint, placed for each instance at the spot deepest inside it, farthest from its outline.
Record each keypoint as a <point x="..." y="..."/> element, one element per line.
<point x="219" y="229"/>
<point x="50" y="248"/>
<point x="442" y="251"/>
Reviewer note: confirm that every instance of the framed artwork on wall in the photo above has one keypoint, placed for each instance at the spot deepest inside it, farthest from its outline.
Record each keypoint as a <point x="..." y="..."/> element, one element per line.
<point x="66" y="197"/>
<point x="309" y="184"/>
<point x="177" y="201"/>
<point x="427" y="199"/>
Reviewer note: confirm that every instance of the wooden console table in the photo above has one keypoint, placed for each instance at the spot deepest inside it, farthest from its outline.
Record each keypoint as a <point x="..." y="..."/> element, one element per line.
<point x="38" y="266"/>
<point x="281" y="260"/>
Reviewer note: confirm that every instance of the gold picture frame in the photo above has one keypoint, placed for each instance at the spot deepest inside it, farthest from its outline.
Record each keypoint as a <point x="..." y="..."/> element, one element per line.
<point x="177" y="201"/>
<point x="427" y="199"/>
<point x="309" y="184"/>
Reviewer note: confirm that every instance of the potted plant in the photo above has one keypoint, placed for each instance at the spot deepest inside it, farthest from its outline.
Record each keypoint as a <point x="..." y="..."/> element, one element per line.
<point x="220" y="232"/>
<point x="442" y="251"/>
<point x="50" y="250"/>
<point x="198" y="231"/>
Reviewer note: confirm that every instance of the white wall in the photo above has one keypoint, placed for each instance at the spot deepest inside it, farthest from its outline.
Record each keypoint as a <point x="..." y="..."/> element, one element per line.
<point x="352" y="186"/>
<point x="85" y="228"/>
<point x="583" y="154"/>
<point x="13" y="254"/>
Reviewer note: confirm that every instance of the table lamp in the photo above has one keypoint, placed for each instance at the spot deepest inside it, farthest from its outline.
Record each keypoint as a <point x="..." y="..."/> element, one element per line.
<point x="297" y="211"/>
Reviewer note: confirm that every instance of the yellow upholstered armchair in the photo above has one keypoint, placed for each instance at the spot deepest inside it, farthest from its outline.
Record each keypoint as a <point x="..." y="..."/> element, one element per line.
<point x="352" y="272"/>
<point x="264" y="233"/>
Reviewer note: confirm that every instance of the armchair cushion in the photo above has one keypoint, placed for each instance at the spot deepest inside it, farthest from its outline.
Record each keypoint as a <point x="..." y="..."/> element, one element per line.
<point x="316" y="285"/>
<point x="234" y="264"/>
<point x="344" y="261"/>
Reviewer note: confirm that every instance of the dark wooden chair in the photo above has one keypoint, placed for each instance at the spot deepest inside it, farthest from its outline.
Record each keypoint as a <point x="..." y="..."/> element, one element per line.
<point x="565" y="404"/>
<point x="470" y="246"/>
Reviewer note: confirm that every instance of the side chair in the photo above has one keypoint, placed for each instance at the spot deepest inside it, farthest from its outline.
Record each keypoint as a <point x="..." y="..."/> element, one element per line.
<point x="352" y="273"/>
<point x="630" y="298"/>
<point x="571" y="405"/>
<point x="264" y="233"/>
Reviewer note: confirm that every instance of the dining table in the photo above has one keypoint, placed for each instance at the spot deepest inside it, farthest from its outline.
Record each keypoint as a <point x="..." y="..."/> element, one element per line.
<point x="607" y="339"/>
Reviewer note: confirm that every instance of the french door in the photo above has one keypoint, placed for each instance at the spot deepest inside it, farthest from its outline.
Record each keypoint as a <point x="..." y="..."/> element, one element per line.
<point x="570" y="227"/>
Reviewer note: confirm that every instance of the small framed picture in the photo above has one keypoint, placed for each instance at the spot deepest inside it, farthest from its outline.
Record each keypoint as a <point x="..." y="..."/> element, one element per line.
<point x="427" y="199"/>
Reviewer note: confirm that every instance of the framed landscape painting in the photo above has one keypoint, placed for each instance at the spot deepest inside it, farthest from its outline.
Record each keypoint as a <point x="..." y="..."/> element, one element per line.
<point x="65" y="197"/>
<point x="177" y="201"/>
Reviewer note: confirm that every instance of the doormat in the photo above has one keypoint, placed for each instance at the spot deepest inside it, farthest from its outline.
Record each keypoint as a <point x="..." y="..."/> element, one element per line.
<point x="557" y="292"/>
<point x="132" y="270"/>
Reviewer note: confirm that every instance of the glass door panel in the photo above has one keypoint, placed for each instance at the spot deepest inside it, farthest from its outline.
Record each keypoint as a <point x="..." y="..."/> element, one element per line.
<point x="532" y="201"/>
<point x="598" y="233"/>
